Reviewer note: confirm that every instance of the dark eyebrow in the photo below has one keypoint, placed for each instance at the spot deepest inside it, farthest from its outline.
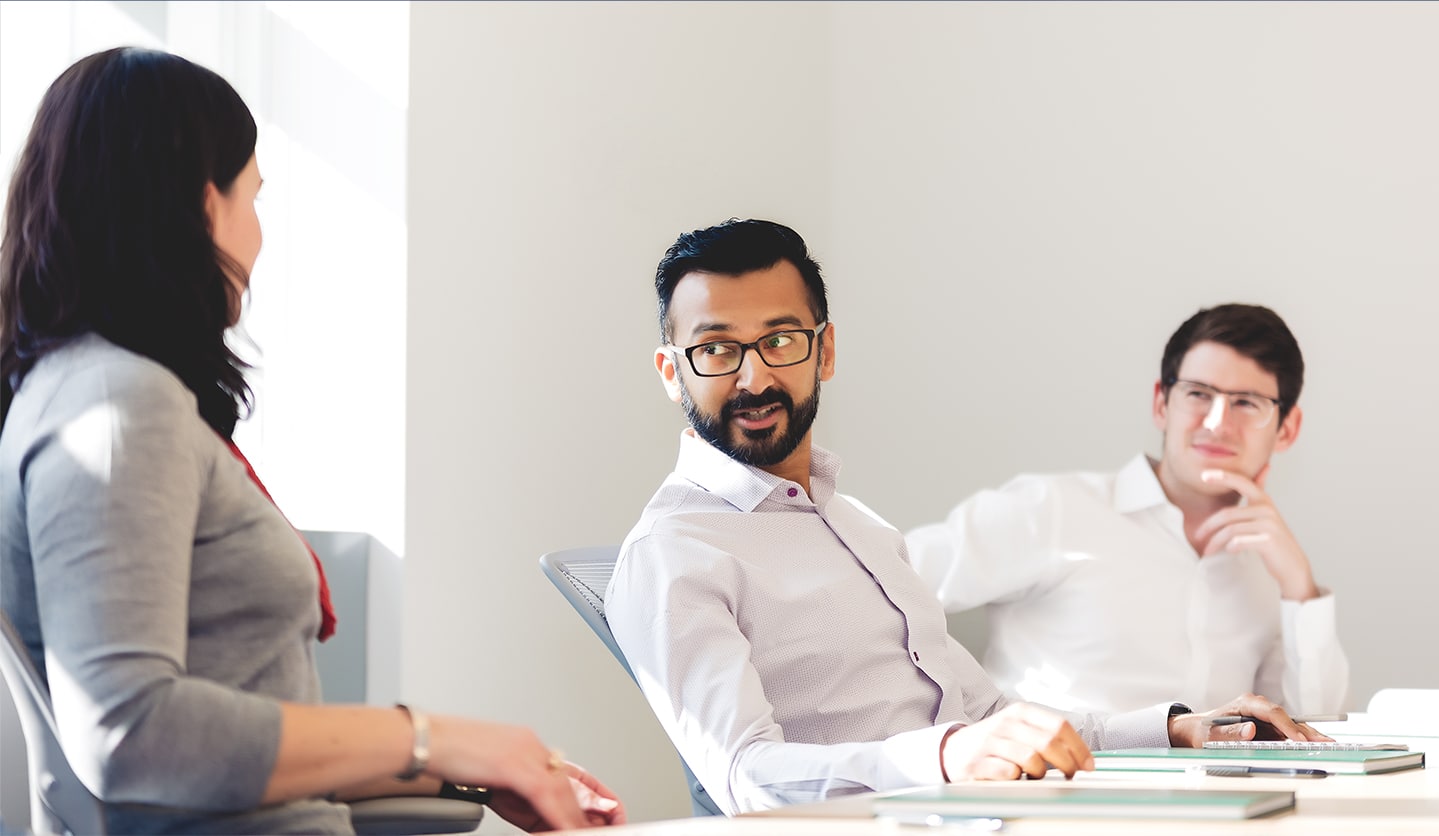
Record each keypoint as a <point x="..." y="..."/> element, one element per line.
<point x="721" y="327"/>
<point x="1227" y="392"/>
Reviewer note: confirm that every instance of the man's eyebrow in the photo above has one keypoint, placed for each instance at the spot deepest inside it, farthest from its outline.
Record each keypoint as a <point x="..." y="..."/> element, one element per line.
<point x="723" y="327"/>
<point x="1249" y="392"/>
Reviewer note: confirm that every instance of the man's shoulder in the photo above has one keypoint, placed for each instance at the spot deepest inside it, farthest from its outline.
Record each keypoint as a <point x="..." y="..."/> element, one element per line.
<point x="676" y="496"/>
<point x="1042" y="488"/>
<point x="678" y="511"/>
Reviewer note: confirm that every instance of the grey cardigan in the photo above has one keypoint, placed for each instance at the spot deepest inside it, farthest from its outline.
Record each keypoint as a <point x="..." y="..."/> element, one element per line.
<point x="168" y="603"/>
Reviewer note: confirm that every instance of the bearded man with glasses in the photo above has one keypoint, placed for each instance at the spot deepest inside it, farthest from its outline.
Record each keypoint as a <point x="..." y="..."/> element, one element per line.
<point x="774" y="624"/>
<point x="1175" y="576"/>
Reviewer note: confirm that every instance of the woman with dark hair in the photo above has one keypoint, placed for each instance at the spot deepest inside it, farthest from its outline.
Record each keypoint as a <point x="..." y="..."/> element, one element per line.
<point x="167" y="602"/>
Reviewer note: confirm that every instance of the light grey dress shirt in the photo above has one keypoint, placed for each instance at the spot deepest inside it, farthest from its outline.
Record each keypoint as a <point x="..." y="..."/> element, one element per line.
<point x="786" y="645"/>
<point x="168" y="603"/>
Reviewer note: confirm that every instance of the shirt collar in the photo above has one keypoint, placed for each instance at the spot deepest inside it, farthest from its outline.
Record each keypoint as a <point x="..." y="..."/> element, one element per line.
<point x="745" y="486"/>
<point x="1137" y="488"/>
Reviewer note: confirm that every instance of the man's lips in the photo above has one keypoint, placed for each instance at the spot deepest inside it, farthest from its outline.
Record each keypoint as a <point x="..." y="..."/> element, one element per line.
<point x="1213" y="451"/>
<point x="758" y="418"/>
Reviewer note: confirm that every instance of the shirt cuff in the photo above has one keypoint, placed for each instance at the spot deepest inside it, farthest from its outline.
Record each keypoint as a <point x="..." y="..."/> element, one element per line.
<point x="1310" y="625"/>
<point x="1133" y="729"/>
<point x="912" y="759"/>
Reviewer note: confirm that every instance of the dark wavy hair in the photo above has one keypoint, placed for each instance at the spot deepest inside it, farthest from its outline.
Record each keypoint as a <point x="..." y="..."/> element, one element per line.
<point x="106" y="230"/>
<point x="732" y="248"/>
<point x="1255" y="332"/>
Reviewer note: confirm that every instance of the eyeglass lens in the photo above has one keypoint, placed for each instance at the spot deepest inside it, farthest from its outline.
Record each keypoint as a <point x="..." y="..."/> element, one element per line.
<point x="1198" y="399"/>
<point x="782" y="348"/>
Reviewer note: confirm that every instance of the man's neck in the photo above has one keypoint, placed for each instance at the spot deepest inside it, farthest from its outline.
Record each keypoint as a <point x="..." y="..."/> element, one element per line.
<point x="795" y="467"/>
<point x="1196" y="507"/>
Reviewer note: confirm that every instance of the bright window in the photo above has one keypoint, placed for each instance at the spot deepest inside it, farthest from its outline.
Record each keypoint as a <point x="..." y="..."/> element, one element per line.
<point x="328" y="84"/>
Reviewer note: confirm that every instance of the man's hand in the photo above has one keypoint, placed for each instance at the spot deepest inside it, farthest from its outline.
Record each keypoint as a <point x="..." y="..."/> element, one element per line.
<point x="1022" y="739"/>
<point x="1191" y="730"/>
<point x="1257" y="525"/>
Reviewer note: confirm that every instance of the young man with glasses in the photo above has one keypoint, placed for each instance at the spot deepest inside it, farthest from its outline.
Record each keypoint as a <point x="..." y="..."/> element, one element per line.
<point x="774" y="625"/>
<point x="1175" y="576"/>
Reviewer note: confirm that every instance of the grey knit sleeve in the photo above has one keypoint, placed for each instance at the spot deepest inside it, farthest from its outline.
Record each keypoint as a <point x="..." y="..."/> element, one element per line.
<point x="113" y="487"/>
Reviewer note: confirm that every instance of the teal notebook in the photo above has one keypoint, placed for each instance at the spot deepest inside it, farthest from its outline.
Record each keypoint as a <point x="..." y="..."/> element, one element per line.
<point x="1054" y="799"/>
<point x="1344" y="762"/>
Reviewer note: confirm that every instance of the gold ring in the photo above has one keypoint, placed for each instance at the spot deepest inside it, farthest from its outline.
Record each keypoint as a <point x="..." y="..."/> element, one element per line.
<point x="556" y="761"/>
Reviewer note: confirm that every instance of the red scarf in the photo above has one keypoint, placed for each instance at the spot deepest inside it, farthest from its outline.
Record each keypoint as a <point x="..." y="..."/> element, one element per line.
<point x="327" y="609"/>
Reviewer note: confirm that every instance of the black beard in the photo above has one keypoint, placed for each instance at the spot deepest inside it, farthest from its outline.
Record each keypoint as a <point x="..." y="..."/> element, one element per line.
<point x="760" y="448"/>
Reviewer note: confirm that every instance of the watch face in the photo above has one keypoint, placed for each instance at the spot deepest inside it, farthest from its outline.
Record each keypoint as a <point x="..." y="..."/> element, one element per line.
<point x="1179" y="708"/>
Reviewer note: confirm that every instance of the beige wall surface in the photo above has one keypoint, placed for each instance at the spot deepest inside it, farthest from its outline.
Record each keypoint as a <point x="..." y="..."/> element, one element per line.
<point x="1015" y="204"/>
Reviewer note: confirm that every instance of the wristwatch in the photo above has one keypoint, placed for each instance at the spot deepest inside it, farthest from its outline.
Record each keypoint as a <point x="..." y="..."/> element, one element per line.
<point x="459" y="792"/>
<point x="1179" y="708"/>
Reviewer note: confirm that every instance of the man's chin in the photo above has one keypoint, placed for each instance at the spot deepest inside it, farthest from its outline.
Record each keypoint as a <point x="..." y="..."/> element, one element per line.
<point x="758" y="448"/>
<point x="743" y="437"/>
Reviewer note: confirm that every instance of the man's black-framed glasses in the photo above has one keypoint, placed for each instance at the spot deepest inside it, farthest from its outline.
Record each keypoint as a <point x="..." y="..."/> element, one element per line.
<point x="777" y="349"/>
<point x="1250" y="408"/>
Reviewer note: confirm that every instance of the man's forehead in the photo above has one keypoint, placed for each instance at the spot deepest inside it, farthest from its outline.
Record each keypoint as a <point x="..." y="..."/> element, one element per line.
<point x="708" y="302"/>
<point x="1221" y="365"/>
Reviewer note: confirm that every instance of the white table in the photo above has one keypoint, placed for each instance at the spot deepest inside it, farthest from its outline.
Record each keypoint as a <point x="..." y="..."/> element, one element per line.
<point x="1400" y="802"/>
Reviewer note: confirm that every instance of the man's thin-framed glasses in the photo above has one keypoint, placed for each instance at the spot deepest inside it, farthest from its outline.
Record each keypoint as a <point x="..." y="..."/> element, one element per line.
<point x="1250" y="408"/>
<point x="777" y="349"/>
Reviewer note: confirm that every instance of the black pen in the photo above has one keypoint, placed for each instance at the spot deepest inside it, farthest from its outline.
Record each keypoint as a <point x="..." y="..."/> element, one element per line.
<point x="1254" y="771"/>
<point x="1232" y="719"/>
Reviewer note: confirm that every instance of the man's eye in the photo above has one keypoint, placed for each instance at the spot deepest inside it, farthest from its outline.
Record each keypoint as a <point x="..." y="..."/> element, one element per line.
<point x="778" y="340"/>
<point x="1199" y="395"/>
<point x="1246" y="403"/>
<point x="717" y="349"/>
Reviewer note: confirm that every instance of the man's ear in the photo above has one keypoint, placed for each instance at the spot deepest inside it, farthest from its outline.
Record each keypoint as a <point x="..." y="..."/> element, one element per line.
<point x="1161" y="406"/>
<point x="669" y="375"/>
<point x="1289" y="429"/>
<point x="826" y="358"/>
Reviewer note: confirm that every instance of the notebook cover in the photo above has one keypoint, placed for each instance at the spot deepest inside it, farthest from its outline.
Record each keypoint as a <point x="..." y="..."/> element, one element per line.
<point x="932" y="805"/>
<point x="1336" y="762"/>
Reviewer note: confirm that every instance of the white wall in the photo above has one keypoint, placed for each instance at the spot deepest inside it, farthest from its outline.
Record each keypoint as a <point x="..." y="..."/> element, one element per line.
<point x="555" y="152"/>
<point x="1038" y="194"/>
<point x="1015" y="205"/>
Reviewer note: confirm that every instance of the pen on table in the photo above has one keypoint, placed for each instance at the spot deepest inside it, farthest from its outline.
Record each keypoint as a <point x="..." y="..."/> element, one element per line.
<point x="1232" y="719"/>
<point x="982" y="824"/>
<point x="1252" y="771"/>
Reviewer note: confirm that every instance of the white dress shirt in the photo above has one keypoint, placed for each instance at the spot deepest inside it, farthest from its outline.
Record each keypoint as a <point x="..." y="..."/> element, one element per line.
<point x="786" y="645"/>
<point x="1097" y="601"/>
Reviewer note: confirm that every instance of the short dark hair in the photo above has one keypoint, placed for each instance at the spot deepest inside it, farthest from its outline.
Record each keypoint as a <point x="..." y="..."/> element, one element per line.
<point x="106" y="229"/>
<point x="1252" y="330"/>
<point x="732" y="248"/>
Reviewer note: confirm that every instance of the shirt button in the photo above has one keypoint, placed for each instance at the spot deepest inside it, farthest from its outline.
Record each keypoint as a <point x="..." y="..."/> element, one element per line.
<point x="916" y="655"/>
<point x="793" y="492"/>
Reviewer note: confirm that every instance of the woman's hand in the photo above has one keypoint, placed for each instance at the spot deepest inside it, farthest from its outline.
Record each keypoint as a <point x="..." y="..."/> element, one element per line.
<point x="530" y="785"/>
<point x="597" y="802"/>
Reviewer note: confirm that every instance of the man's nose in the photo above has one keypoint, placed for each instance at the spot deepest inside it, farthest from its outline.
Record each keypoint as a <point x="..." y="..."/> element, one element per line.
<point x="1215" y="419"/>
<point x="754" y="374"/>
